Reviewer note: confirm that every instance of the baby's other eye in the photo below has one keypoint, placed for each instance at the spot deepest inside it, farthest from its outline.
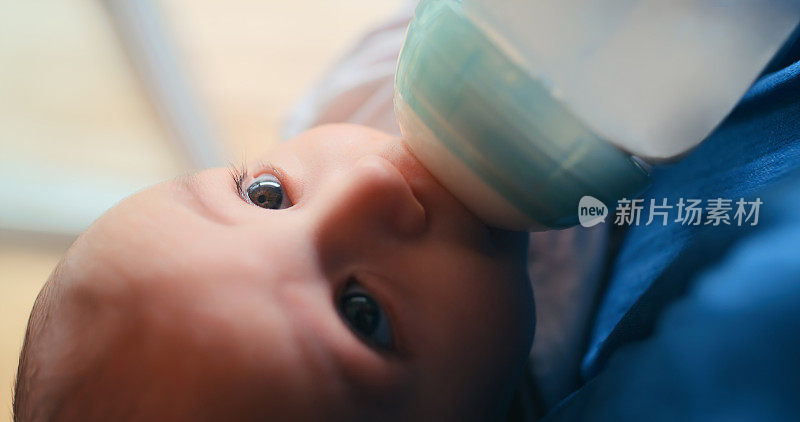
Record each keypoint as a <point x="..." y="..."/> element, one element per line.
<point x="266" y="191"/>
<point x="365" y="317"/>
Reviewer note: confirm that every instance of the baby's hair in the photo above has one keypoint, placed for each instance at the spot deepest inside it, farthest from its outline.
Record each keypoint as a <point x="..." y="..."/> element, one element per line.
<point x="23" y="409"/>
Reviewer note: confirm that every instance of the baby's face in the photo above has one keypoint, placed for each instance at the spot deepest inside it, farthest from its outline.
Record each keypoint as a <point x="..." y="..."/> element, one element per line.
<point x="351" y="287"/>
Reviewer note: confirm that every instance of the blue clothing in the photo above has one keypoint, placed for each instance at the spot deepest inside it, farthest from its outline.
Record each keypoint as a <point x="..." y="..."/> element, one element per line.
<point x="703" y="322"/>
<point x="729" y="349"/>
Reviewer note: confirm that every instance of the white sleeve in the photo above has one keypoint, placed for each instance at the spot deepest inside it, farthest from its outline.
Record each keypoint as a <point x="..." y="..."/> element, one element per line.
<point x="359" y="87"/>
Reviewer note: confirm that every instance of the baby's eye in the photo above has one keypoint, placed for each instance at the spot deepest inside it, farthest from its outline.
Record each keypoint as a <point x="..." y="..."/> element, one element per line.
<point x="266" y="191"/>
<point x="365" y="317"/>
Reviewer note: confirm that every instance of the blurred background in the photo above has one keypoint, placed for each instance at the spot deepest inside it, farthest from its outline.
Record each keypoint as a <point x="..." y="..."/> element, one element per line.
<point x="100" y="98"/>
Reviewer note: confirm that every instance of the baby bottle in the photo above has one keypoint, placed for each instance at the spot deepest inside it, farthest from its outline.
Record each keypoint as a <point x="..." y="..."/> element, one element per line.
<point x="522" y="107"/>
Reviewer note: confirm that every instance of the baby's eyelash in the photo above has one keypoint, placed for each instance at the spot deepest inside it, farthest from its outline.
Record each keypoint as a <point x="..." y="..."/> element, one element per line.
<point x="238" y="175"/>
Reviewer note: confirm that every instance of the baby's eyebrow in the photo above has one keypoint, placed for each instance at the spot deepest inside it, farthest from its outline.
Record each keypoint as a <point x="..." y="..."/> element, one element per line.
<point x="189" y="189"/>
<point x="188" y="180"/>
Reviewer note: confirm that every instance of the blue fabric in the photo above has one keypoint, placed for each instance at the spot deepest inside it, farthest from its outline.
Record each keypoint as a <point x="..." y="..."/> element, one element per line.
<point x="753" y="149"/>
<point x="703" y="322"/>
<point x="729" y="350"/>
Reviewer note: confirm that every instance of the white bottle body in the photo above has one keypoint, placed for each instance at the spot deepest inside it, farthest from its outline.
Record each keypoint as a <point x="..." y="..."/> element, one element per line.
<point x="653" y="77"/>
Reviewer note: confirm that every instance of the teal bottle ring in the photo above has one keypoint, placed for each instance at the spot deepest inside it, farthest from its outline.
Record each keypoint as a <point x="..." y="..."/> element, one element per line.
<point x="503" y="124"/>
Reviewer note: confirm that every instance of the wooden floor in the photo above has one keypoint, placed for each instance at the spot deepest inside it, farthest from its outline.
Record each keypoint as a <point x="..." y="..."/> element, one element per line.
<point x="69" y="99"/>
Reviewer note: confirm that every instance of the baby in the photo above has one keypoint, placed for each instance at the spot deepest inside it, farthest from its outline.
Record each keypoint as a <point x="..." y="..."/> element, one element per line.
<point x="335" y="280"/>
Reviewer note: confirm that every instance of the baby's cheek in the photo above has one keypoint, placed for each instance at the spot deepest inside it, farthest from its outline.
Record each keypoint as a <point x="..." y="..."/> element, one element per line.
<point x="496" y="302"/>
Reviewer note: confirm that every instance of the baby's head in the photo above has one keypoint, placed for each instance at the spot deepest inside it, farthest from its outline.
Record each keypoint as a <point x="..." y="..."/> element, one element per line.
<point x="334" y="281"/>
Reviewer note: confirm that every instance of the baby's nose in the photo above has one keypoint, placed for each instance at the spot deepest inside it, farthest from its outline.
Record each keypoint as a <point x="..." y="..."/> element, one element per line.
<point x="373" y="199"/>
